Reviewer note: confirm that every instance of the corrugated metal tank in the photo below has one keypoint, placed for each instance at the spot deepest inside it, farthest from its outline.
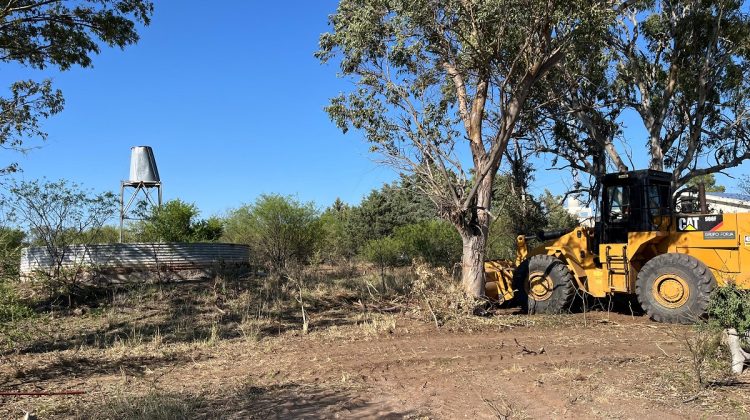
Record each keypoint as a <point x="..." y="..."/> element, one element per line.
<point x="143" y="165"/>
<point x="141" y="256"/>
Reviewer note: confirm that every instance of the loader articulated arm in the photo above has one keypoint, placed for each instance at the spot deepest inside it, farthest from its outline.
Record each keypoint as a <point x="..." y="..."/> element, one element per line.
<point x="522" y="251"/>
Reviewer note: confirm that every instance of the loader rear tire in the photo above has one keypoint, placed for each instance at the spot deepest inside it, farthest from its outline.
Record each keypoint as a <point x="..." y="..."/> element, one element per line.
<point x="546" y="285"/>
<point x="674" y="288"/>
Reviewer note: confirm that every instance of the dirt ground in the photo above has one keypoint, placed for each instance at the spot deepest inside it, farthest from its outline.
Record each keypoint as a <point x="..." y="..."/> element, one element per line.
<point x="354" y="363"/>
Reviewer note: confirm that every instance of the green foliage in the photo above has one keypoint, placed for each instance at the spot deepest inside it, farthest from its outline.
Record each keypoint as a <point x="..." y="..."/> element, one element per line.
<point x="106" y="234"/>
<point x="347" y="229"/>
<point x="11" y="242"/>
<point x="338" y="239"/>
<point x="11" y="309"/>
<point x="708" y="180"/>
<point x="281" y="230"/>
<point x="523" y="216"/>
<point x="208" y="230"/>
<point x="176" y="221"/>
<point x="730" y="308"/>
<point x="59" y="213"/>
<point x="385" y="209"/>
<point x="557" y="217"/>
<point x="515" y="213"/>
<point x="435" y="241"/>
<point x="62" y="34"/>
<point x="384" y="252"/>
<point x="20" y="113"/>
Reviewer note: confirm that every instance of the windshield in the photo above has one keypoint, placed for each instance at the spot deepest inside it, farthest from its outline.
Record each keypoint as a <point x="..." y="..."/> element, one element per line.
<point x="619" y="203"/>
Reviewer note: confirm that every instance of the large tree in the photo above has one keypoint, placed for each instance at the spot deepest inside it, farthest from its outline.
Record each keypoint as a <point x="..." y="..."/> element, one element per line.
<point x="441" y="85"/>
<point x="683" y="67"/>
<point x="57" y="33"/>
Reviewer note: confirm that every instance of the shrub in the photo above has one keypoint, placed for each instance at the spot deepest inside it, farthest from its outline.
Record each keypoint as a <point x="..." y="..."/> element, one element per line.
<point x="11" y="311"/>
<point x="385" y="253"/>
<point x="11" y="242"/>
<point x="177" y="221"/>
<point x="57" y="215"/>
<point x="730" y="308"/>
<point x="435" y="241"/>
<point x="280" y="230"/>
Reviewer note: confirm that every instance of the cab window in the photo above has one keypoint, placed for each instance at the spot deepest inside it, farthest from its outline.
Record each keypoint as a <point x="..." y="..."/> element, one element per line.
<point x="619" y="203"/>
<point x="658" y="200"/>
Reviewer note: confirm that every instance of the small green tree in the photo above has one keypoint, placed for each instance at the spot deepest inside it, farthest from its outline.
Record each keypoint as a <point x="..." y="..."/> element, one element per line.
<point x="177" y="221"/>
<point x="281" y="230"/>
<point x="556" y="216"/>
<point x="729" y="310"/>
<point x="385" y="253"/>
<point x="58" y="215"/>
<point x="729" y="307"/>
<point x="515" y="213"/>
<point x="208" y="230"/>
<point x="393" y="205"/>
<point x="436" y="241"/>
<point x="709" y="181"/>
<point x="338" y="241"/>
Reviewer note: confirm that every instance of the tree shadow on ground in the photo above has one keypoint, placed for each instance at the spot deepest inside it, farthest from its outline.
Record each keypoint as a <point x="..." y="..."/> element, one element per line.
<point x="80" y="366"/>
<point x="298" y="401"/>
<point x="188" y="313"/>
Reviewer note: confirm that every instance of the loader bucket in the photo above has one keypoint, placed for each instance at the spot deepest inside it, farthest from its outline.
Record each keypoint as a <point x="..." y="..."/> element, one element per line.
<point x="499" y="282"/>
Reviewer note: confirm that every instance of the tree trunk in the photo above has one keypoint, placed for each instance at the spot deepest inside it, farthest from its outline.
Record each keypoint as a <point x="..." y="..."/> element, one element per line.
<point x="739" y="357"/>
<point x="657" y="156"/>
<point x="472" y="264"/>
<point x="474" y="233"/>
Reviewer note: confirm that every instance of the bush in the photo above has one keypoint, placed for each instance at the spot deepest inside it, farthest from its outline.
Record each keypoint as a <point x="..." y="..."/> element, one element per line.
<point x="281" y="230"/>
<point x="57" y="215"/>
<point x="730" y="308"/>
<point x="11" y="311"/>
<point x="435" y="241"/>
<point x="11" y="242"/>
<point x="338" y="243"/>
<point x="385" y="253"/>
<point x="176" y="221"/>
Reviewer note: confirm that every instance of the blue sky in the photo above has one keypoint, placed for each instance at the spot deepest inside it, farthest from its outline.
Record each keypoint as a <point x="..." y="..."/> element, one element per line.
<point x="230" y="98"/>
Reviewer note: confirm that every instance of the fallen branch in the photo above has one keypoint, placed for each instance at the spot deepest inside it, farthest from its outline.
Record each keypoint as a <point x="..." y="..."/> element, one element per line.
<point x="525" y="350"/>
<point x="429" y="306"/>
<point x="662" y="350"/>
<point x="38" y="393"/>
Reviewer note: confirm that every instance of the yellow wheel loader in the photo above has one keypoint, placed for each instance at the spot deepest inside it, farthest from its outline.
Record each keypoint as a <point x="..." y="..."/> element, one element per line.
<point x="639" y="245"/>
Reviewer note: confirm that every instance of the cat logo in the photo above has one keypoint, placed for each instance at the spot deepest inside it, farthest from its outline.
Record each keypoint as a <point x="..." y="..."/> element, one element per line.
<point x="688" y="224"/>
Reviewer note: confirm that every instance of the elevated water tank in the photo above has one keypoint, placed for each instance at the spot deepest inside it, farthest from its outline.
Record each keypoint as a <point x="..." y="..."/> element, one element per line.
<point x="143" y="166"/>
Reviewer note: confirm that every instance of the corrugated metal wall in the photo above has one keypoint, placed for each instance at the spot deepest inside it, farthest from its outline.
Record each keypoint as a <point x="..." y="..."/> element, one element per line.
<point x="148" y="256"/>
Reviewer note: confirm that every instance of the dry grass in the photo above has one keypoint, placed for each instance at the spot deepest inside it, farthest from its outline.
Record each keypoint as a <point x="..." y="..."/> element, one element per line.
<point x="135" y="338"/>
<point x="153" y="405"/>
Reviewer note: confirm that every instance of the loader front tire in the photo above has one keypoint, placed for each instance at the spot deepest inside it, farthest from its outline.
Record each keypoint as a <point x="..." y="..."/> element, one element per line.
<point x="674" y="288"/>
<point x="546" y="283"/>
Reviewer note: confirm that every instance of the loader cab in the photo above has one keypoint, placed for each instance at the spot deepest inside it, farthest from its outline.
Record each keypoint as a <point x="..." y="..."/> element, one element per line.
<point x="635" y="201"/>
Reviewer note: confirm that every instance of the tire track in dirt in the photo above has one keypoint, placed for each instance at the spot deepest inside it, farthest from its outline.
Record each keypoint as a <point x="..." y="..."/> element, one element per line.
<point x="481" y="374"/>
